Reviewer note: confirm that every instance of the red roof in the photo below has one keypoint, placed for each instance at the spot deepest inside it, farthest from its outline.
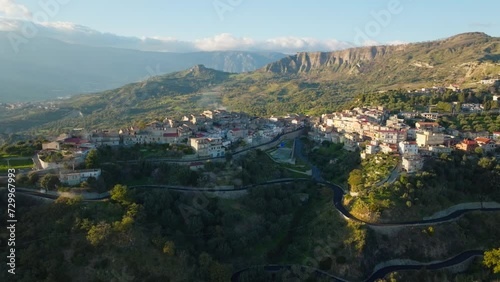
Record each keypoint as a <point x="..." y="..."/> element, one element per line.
<point x="73" y="140"/>
<point x="483" y="140"/>
<point x="171" y="135"/>
<point x="469" y="142"/>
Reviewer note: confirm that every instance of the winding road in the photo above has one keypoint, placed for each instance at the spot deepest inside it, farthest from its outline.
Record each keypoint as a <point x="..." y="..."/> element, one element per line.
<point x="337" y="201"/>
<point x="338" y="194"/>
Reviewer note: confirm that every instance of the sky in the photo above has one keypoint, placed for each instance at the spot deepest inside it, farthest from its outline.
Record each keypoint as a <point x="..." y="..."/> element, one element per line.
<point x="280" y="25"/>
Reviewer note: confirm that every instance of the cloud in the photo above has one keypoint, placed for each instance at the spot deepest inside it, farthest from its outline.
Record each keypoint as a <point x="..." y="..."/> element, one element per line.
<point x="11" y="9"/>
<point x="78" y="34"/>
<point x="397" y="42"/>
<point x="224" y="41"/>
<point x="293" y="44"/>
<point x="483" y="25"/>
<point x="370" y="42"/>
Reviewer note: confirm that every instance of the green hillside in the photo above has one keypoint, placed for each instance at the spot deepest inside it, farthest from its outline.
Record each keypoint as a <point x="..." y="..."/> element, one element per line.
<point x="318" y="82"/>
<point x="310" y="83"/>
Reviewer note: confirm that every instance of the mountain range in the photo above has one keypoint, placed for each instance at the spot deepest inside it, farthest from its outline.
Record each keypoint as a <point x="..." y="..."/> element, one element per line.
<point x="309" y="83"/>
<point x="46" y="68"/>
<point x="319" y="81"/>
<point x="458" y="58"/>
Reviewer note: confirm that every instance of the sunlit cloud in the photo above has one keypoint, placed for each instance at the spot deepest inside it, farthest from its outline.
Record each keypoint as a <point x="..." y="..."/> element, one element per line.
<point x="78" y="34"/>
<point x="11" y="9"/>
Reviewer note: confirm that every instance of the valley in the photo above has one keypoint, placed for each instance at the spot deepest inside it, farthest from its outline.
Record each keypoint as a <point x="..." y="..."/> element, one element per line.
<point x="317" y="166"/>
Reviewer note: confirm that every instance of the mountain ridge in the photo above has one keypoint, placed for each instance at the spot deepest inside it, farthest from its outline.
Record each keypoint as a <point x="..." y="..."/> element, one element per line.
<point x="47" y="68"/>
<point x="355" y="60"/>
<point x="308" y="83"/>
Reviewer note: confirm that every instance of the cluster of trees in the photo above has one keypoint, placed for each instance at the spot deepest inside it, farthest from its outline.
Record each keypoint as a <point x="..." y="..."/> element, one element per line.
<point x="257" y="167"/>
<point x="492" y="259"/>
<point x="401" y="100"/>
<point x="444" y="181"/>
<point x="52" y="157"/>
<point x="473" y="122"/>
<point x="276" y="95"/>
<point x="374" y="169"/>
<point x="335" y="162"/>
<point x="22" y="148"/>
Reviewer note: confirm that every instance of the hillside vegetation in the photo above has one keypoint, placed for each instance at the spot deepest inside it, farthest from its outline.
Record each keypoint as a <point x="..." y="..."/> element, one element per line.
<point x="309" y="83"/>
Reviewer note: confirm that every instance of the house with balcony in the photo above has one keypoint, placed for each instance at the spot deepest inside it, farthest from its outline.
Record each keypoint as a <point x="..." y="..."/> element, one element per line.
<point x="391" y="136"/>
<point x="412" y="163"/>
<point x="388" y="148"/>
<point x="486" y="144"/>
<point x="408" y="148"/>
<point x="104" y="138"/>
<point x="207" y="147"/>
<point x="427" y="138"/>
<point x="467" y="145"/>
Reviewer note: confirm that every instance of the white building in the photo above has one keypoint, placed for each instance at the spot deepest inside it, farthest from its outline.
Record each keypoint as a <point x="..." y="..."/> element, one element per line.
<point x="208" y="147"/>
<point x="412" y="163"/>
<point x="78" y="176"/>
<point x="408" y="147"/>
<point x="427" y="138"/>
<point x="102" y="138"/>
<point x="372" y="148"/>
<point x="391" y="136"/>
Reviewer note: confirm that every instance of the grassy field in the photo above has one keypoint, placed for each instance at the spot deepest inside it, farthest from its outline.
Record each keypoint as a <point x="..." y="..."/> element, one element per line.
<point x="17" y="164"/>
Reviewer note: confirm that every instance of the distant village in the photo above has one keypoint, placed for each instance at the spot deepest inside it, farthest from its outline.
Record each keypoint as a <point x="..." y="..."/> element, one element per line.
<point x="209" y="134"/>
<point x="376" y="131"/>
<point x="213" y="133"/>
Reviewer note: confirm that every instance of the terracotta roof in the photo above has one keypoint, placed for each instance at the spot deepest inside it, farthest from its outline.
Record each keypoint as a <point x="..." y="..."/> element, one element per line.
<point x="469" y="142"/>
<point x="483" y="140"/>
<point x="74" y="140"/>
<point x="171" y="135"/>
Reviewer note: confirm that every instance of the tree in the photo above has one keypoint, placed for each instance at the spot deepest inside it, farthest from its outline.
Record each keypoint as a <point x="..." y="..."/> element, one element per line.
<point x="169" y="248"/>
<point x="121" y="194"/>
<point x="99" y="233"/>
<point x="220" y="272"/>
<point x="355" y="179"/>
<point x="49" y="181"/>
<point x="21" y="179"/>
<point x="492" y="260"/>
<point x="92" y="159"/>
<point x="229" y="157"/>
<point x="33" y="177"/>
<point x="486" y="163"/>
<point x="408" y="204"/>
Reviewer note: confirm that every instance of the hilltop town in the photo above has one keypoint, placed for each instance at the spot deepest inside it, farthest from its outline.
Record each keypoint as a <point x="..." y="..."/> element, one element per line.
<point x="214" y="133"/>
